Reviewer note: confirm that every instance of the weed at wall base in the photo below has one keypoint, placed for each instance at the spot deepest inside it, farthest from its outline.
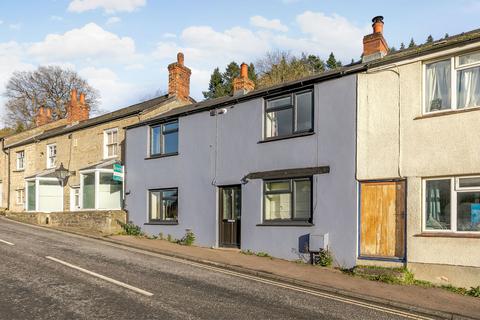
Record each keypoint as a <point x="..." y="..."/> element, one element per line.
<point x="131" y="229"/>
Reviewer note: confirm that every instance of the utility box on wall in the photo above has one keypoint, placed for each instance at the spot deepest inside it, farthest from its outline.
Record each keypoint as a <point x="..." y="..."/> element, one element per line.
<point x="318" y="242"/>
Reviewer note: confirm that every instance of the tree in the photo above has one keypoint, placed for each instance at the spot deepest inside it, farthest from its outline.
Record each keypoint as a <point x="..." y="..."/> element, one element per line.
<point x="50" y="86"/>
<point x="392" y="49"/>
<point x="429" y="39"/>
<point x="412" y="43"/>
<point x="332" y="62"/>
<point x="402" y="46"/>
<point x="446" y="36"/>
<point x="221" y="84"/>
<point x="216" y="86"/>
<point x="314" y="63"/>
<point x="280" y="66"/>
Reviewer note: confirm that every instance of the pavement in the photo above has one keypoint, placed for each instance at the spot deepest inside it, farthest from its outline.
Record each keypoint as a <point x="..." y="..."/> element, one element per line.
<point x="47" y="274"/>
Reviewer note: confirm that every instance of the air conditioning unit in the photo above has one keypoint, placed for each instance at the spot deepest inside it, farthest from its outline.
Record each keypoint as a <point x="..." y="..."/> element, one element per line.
<point x="318" y="242"/>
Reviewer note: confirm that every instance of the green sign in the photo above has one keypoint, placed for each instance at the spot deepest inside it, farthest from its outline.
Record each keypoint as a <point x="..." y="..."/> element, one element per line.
<point x="117" y="172"/>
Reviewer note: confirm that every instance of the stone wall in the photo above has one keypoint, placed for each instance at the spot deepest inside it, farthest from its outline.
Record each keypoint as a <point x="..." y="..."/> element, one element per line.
<point x="102" y="221"/>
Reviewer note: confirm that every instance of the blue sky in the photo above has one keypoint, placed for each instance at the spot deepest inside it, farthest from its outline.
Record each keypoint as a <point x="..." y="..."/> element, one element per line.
<point x="123" y="47"/>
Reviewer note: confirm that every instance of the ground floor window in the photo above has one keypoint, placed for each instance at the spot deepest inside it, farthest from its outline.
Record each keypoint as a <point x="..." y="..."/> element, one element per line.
<point x="74" y="198"/>
<point x="44" y="194"/>
<point x="163" y="205"/>
<point x="452" y="204"/>
<point x="99" y="191"/>
<point x="20" y="196"/>
<point x="288" y="199"/>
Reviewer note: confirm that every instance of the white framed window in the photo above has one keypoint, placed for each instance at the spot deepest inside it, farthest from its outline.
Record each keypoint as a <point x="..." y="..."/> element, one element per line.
<point x="452" y="83"/>
<point x="21" y="160"/>
<point x="110" y="143"/>
<point x="452" y="204"/>
<point x="51" y="155"/>
<point x="20" y="196"/>
<point x="99" y="190"/>
<point x="74" y="198"/>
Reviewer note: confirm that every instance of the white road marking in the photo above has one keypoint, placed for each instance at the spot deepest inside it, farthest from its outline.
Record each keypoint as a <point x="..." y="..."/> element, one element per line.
<point x="304" y="290"/>
<point x="6" y="242"/>
<point x="118" y="283"/>
<point x="240" y="275"/>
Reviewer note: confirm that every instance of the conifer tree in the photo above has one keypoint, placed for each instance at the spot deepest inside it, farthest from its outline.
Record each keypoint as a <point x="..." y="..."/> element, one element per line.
<point x="429" y="39"/>
<point x="412" y="43"/>
<point x="332" y="62"/>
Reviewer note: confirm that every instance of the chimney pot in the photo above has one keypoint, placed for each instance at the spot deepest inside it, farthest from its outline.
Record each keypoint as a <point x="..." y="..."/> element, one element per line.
<point x="180" y="58"/>
<point x="377" y="24"/>
<point x="244" y="70"/>
<point x="82" y="98"/>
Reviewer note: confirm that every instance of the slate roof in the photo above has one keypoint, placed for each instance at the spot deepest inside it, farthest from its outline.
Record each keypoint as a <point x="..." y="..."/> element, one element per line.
<point x="228" y="100"/>
<point x="118" y="114"/>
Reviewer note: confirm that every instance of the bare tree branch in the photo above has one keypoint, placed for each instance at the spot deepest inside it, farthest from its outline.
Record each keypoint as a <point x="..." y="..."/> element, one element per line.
<point x="49" y="86"/>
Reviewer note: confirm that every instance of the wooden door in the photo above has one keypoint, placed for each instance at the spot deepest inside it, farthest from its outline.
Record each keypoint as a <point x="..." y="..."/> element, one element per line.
<point x="382" y="219"/>
<point x="230" y="215"/>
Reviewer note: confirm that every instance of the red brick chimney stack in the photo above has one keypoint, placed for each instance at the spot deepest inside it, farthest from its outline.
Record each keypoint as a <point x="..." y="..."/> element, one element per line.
<point x="77" y="110"/>
<point x="242" y="84"/>
<point x="179" y="79"/>
<point x="374" y="44"/>
<point x="43" y="116"/>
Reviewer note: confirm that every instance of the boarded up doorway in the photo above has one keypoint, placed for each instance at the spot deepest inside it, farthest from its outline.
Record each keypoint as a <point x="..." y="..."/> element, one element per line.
<point x="382" y="219"/>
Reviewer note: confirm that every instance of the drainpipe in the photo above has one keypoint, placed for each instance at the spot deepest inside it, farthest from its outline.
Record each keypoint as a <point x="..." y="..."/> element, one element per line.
<point x="7" y="151"/>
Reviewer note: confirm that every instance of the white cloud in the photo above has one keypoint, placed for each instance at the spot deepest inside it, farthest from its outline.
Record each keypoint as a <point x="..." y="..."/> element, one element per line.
<point x="115" y="93"/>
<point x="262" y="22"/>
<point x="169" y="35"/>
<point x="15" y="26"/>
<point x="113" y="20"/>
<point x="56" y="18"/>
<point x="88" y="42"/>
<point x="109" y="6"/>
<point x="333" y="33"/>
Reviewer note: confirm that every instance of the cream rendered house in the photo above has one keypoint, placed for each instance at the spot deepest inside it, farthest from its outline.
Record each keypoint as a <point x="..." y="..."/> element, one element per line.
<point x="418" y="158"/>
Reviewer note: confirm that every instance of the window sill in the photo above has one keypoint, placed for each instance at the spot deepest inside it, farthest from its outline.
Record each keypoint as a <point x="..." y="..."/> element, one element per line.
<point x="296" y="135"/>
<point x="18" y="170"/>
<point x="286" y="224"/>
<point x="161" y="156"/>
<point x="168" y="223"/>
<point x="446" y="113"/>
<point x="470" y="235"/>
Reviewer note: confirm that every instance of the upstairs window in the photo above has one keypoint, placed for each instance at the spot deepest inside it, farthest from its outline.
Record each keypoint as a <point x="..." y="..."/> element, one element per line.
<point x="51" y="155"/>
<point x="20" y="160"/>
<point x="453" y="83"/>
<point x="289" y="114"/>
<point x="110" y="143"/>
<point x="164" y="139"/>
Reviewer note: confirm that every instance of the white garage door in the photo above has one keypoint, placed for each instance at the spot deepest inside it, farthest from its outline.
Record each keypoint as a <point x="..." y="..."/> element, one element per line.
<point x="50" y="196"/>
